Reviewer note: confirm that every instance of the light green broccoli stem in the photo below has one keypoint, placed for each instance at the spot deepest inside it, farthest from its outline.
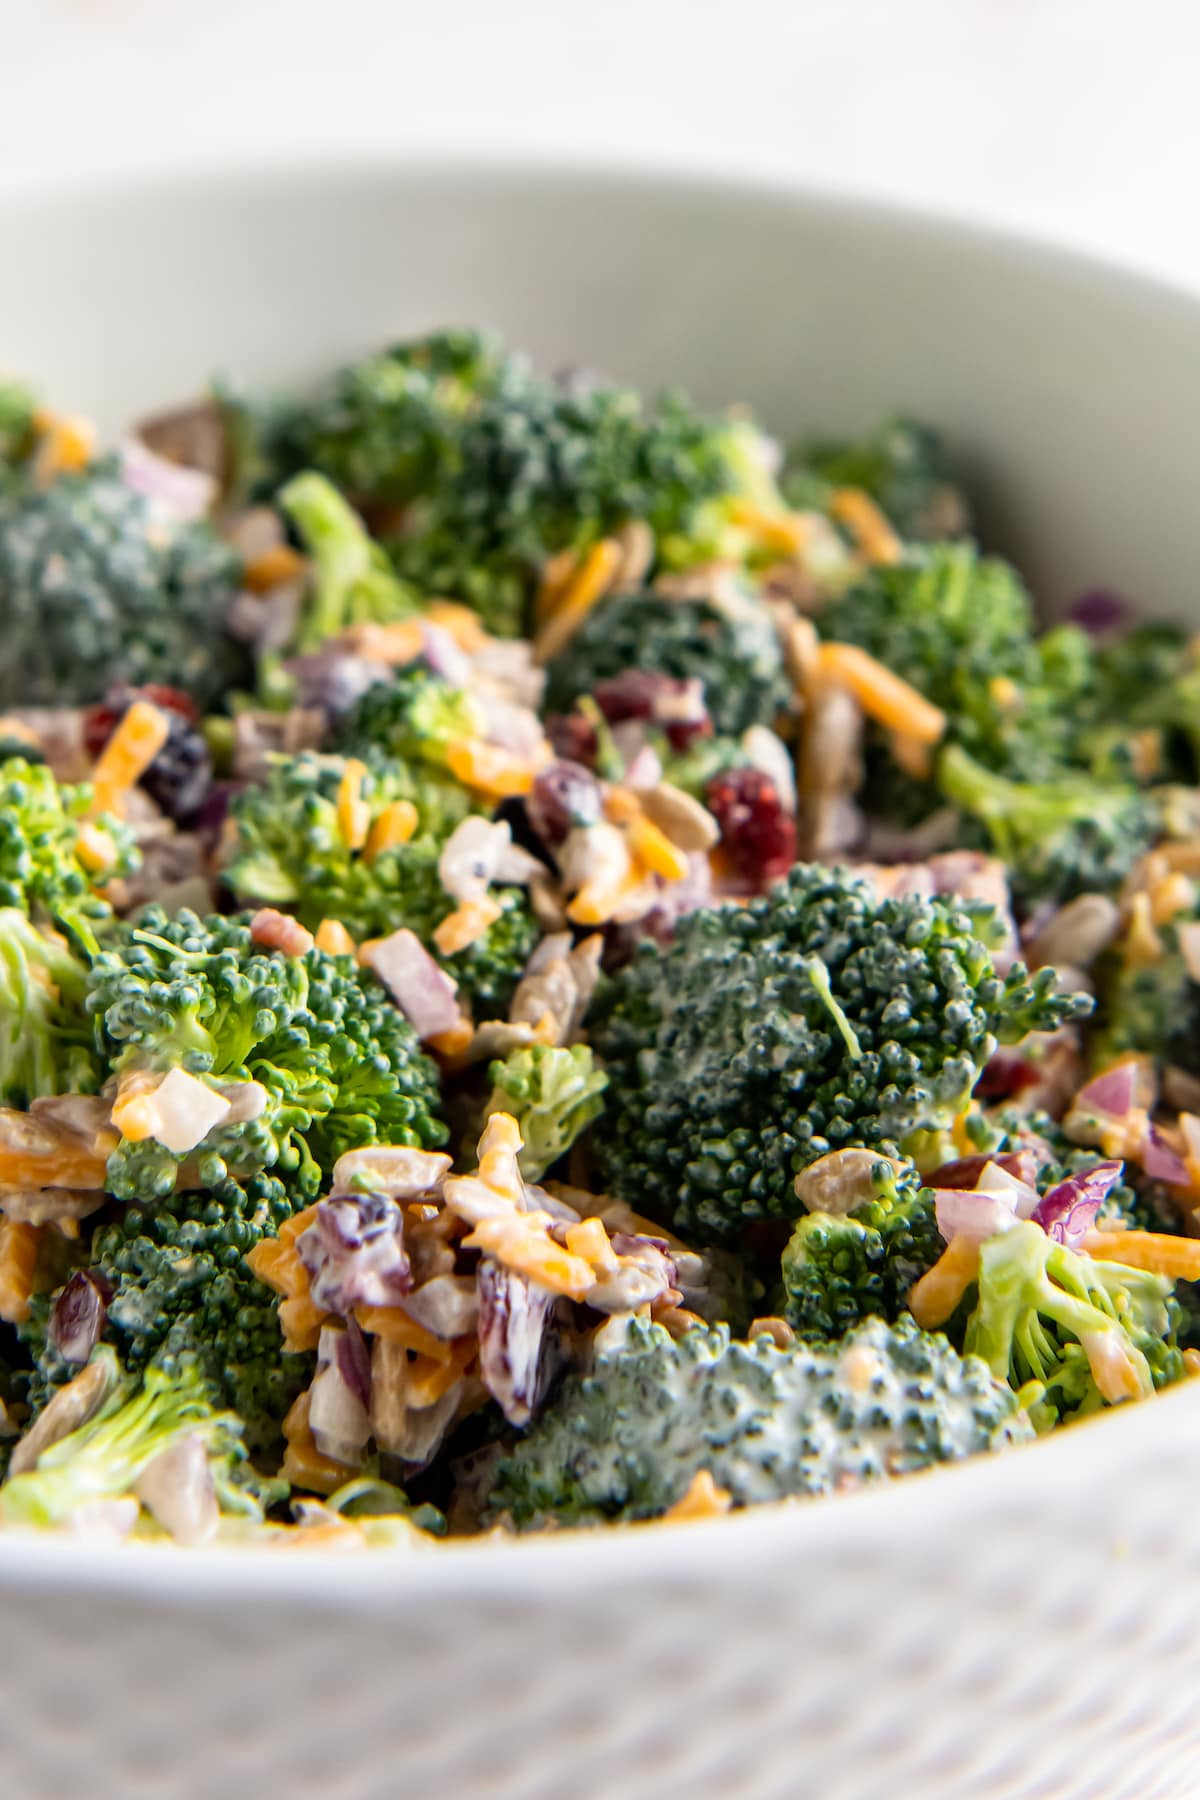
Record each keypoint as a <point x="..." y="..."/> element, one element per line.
<point x="104" y="1459"/>
<point x="554" y="1094"/>
<point x="45" y="1039"/>
<point x="818" y="974"/>
<point x="354" y="582"/>
<point x="1020" y="814"/>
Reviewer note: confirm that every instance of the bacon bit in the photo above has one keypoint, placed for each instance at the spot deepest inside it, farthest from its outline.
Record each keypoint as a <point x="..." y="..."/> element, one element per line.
<point x="521" y="1241"/>
<point x="431" y="1377"/>
<point x="778" y="1330"/>
<point x="396" y="824"/>
<point x="65" y="445"/>
<point x="466" y="924"/>
<point x="334" y="939"/>
<point x="591" y="583"/>
<point x="912" y="754"/>
<point x="460" y="623"/>
<point x="934" y="1297"/>
<point x="1157" y="1252"/>
<point x="655" y="851"/>
<point x="19" y="1246"/>
<point x="353" y="813"/>
<point x="394" y="1326"/>
<point x="272" y="567"/>
<point x="883" y="696"/>
<point x="127" y="755"/>
<point x="867" y="525"/>
<point x="788" y="532"/>
<point x="556" y="578"/>
<point x="703" y="1500"/>
<point x="490" y="770"/>
<point x="95" y="849"/>
<point x="303" y="1465"/>
<point x="275" y="930"/>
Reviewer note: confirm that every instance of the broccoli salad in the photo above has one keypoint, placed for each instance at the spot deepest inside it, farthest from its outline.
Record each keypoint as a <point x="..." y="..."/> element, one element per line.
<point x="562" y="963"/>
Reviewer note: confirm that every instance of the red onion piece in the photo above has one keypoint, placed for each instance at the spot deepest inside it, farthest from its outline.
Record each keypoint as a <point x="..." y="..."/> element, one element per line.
<point x="1068" y="1211"/>
<point x="341" y="1424"/>
<point x="1114" y="1092"/>
<point x="188" y="493"/>
<point x="177" y="1487"/>
<point x="1161" y="1163"/>
<point x="518" y="1352"/>
<point x="965" y="1212"/>
<point x="354" y="1253"/>
<point x="424" y="992"/>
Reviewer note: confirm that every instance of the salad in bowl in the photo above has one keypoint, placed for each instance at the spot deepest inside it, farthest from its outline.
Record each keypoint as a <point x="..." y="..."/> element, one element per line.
<point x="563" y="962"/>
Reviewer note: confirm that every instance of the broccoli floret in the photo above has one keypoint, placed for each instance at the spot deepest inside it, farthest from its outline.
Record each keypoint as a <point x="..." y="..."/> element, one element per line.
<point x="731" y="646"/>
<point x="959" y="627"/>
<point x="626" y="1441"/>
<point x="105" y="1458"/>
<point x="383" y="430"/>
<point x="18" y="408"/>
<point x="731" y="1070"/>
<point x="1061" y="837"/>
<point x="414" y="717"/>
<point x="182" y="1293"/>
<point x="1151" y="1006"/>
<point x="45" y="1035"/>
<point x="41" y="870"/>
<point x="353" y="582"/>
<point x="290" y="851"/>
<point x="841" y="1268"/>
<point x="554" y="1094"/>
<point x="101" y="588"/>
<point x="901" y="464"/>
<point x="1090" y="1333"/>
<point x="1146" y="679"/>
<point x="335" y="1063"/>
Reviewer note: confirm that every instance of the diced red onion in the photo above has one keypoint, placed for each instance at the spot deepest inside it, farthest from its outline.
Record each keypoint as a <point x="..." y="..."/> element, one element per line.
<point x="341" y="1424"/>
<point x="517" y="1349"/>
<point x="448" y="1306"/>
<point x="188" y="493"/>
<point x="1099" y="611"/>
<point x="354" y="1253"/>
<point x="965" y="1212"/>
<point x="443" y="655"/>
<point x="422" y="990"/>
<point x="1068" y="1211"/>
<point x="1161" y="1163"/>
<point x="1114" y="1092"/>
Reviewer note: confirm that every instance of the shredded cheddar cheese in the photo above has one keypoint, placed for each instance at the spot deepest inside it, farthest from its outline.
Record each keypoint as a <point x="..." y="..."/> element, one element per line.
<point x="593" y="580"/>
<point x="883" y="696"/>
<point x="19" y="1246"/>
<point x="934" y="1297"/>
<point x="865" y="521"/>
<point x="703" y="1500"/>
<point x="466" y="924"/>
<point x="127" y="755"/>
<point x="353" y="813"/>
<point x="396" y="824"/>
<point x="334" y="939"/>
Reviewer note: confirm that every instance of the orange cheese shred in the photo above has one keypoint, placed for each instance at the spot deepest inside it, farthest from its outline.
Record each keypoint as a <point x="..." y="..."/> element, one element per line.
<point x="934" y="1297"/>
<point x="883" y="696"/>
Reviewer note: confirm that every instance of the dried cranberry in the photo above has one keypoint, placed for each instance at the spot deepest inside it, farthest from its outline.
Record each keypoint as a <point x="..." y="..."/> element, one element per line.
<point x="563" y="795"/>
<point x="676" y="706"/>
<point x="573" y="737"/>
<point x="757" y="832"/>
<point x="1007" y="1074"/>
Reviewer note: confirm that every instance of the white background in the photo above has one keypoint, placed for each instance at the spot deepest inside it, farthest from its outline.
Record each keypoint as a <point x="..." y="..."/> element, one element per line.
<point x="1071" y="119"/>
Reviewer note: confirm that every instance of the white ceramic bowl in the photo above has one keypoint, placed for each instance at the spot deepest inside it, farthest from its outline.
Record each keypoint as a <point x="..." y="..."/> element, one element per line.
<point x="1025" y="1626"/>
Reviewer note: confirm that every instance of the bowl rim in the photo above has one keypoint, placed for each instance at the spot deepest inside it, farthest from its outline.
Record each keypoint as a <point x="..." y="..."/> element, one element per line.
<point x="553" y="1565"/>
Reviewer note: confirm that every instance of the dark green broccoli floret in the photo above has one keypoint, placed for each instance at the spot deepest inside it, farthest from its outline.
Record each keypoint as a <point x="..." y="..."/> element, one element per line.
<point x="626" y="1441"/>
<point x="841" y="1268"/>
<point x="183" y="1291"/>
<point x="1090" y="1333"/>
<point x="18" y="408"/>
<point x="335" y="1062"/>
<point x="901" y="464"/>
<point x="1149" y="1006"/>
<point x="382" y="429"/>
<point x="730" y="646"/>
<point x="553" y="1093"/>
<point x="105" y="1458"/>
<point x="414" y="717"/>
<point x="1061" y="837"/>
<point x="45" y="1035"/>
<point x="40" y="867"/>
<point x="353" y="582"/>
<point x="959" y="627"/>
<point x="99" y="588"/>
<point x="731" y="1070"/>
<point x="290" y="851"/>
<point x="1146" y="679"/>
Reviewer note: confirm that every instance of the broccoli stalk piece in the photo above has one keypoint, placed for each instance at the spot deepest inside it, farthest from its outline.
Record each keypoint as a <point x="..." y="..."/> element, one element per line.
<point x="105" y="1458"/>
<point x="731" y="647"/>
<point x="326" y="1061"/>
<point x="290" y="850"/>
<point x="102" y="588"/>
<point x="627" y="1441"/>
<point x="353" y="581"/>
<point x="41" y="867"/>
<point x="45" y="1039"/>
<point x="1089" y="1333"/>
<point x="729" y="1071"/>
<point x="554" y="1094"/>
<point x="1062" y="837"/>
<point x="841" y="1268"/>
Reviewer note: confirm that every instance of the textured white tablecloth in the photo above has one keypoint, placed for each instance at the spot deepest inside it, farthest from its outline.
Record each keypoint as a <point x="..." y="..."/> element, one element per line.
<point x="1074" y="119"/>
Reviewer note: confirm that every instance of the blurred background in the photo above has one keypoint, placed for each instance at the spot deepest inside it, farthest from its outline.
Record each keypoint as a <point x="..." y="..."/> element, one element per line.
<point x="1072" y="119"/>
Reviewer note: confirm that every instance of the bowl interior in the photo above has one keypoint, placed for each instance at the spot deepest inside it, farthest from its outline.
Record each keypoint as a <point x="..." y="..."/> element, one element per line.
<point x="1062" y="384"/>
